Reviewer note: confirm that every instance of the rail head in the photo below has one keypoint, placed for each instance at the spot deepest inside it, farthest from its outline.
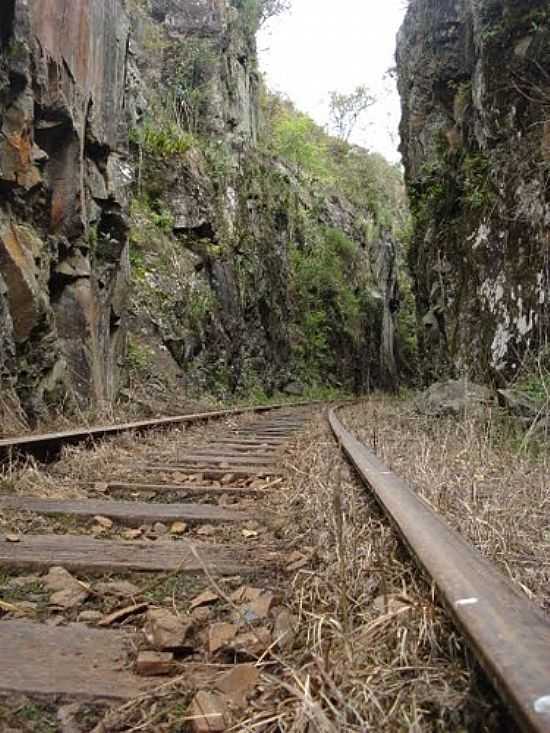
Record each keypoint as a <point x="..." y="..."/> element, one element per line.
<point x="508" y="633"/>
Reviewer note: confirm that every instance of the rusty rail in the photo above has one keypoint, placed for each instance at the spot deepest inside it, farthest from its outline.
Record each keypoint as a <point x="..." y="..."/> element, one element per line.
<point x="509" y="635"/>
<point x="48" y="444"/>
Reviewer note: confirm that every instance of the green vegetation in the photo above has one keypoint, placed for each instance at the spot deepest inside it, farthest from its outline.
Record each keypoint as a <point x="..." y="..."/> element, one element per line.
<point x="139" y="358"/>
<point x="150" y="223"/>
<point x="269" y="275"/>
<point x="297" y="139"/>
<point x="29" y="716"/>
<point x="515" y="23"/>
<point x="366" y="179"/>
<point x="536" y="386"/>
<point x="328" y="294"/>
<point x="478" y="191"/>
<point x="311" y="393"/>
<point x="254" y="13"/>
<point x="166" y="289"/>
<point x="406" y="325"/>
<point x="192" y="64"/>
<point x="534" y="378"/>
<point x="164" y="140"/>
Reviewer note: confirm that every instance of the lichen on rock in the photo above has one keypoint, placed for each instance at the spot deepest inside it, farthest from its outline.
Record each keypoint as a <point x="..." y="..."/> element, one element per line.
<point x="475" y="89"/>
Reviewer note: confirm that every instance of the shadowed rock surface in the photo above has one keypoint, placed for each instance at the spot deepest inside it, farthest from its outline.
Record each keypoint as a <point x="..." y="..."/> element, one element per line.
<point x="475" y="89"/>
<point x="63" y="178"/>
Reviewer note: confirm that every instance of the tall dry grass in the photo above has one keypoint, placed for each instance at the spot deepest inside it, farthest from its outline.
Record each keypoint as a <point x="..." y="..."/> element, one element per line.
<point x="374" y="651"/>
<point x="481" y="472"/>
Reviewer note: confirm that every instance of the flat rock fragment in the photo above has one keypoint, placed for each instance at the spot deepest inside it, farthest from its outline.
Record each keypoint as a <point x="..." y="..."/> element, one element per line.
<point x="220" y="635"/>
<point x="284" y="629"/>
<point x="208" y="713"/>
<point x="67" y="591"/>
<point x="164" y="631"/>
<point x="154" y="664"/>
<point x="238" y="683"/>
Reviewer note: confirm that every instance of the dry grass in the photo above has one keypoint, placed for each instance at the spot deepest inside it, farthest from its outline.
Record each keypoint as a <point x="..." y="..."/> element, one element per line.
<point x="12" y="419"/>
<point x="372" y="650"/>
<point x="476" y="472"/>
<point x="140" y="403"/>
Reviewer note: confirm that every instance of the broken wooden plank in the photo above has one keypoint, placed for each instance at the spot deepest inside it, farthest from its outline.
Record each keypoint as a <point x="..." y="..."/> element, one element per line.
<point x="183" y="489"/>
<point x="131" y="513"/>
<point x="213" y="460"/>
<point x="216" y="473"/>
<point x="74" y="662"/>
<point x="75" y="552"/>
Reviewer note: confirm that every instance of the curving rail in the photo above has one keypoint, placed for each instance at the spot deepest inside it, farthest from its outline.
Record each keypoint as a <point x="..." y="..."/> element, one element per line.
<point x="46" y="444"/>
<point x="508" y="633"/>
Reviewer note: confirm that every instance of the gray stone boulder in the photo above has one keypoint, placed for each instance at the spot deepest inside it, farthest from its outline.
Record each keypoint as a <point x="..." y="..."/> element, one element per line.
<point x="454" y="397"/>
<point x="295" y="389"/>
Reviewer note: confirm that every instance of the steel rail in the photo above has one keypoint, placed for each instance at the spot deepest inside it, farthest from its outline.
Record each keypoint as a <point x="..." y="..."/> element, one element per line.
<point x="509" y="635"/>
<point x="44" y="445"/>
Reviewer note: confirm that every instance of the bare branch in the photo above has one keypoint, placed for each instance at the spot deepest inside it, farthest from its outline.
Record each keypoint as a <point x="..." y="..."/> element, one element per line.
<point x="346" y="109"/>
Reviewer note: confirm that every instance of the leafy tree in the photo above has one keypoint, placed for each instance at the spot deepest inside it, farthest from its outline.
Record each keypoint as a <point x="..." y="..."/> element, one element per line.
<point x="298" y="139"/>
<point x="346" y="109"/>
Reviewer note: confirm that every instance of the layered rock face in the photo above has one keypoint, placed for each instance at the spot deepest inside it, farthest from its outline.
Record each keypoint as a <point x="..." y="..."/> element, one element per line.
<point x="236" y="214"/>
<point x="63" y="184"/>
<point x="146" y="112"/>
<point x="474" y="77"/>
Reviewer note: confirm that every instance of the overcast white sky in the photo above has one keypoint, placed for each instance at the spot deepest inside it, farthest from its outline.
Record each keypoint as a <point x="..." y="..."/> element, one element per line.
<point x="325" y="45"/>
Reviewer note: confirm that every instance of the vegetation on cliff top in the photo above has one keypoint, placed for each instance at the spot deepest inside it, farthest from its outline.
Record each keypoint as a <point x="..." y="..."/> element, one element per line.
<point x="278" y="283"/>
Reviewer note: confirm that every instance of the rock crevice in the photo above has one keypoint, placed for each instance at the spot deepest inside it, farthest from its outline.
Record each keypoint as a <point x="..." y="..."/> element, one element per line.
<point x="63" y="238"/>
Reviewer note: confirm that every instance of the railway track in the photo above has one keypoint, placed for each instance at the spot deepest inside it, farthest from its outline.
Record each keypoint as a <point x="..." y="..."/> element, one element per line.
<point x="167" y="515"/>
<point x="48" y="446"/>
<point x="121" y="596"/>
<point x="509" y="635"/>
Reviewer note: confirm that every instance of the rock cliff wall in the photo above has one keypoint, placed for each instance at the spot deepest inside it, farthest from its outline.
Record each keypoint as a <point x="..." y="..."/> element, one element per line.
<point x="63" y="181"/>
<point x="138" y="202"/>
<point x="232" y="217"/>
<point x="474" y="78"/>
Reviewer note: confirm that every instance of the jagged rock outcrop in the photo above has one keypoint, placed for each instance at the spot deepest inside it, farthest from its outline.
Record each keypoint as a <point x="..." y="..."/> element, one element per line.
<point x="119" y="112"/>
<point x="227" y="313"/>
<point x="474" y="78"/>
<point x="63" y="180"/>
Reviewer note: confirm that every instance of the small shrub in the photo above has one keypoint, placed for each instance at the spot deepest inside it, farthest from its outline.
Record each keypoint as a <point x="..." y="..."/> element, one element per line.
<point x="139" y="358"/>
<point x="165" y="140"/>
